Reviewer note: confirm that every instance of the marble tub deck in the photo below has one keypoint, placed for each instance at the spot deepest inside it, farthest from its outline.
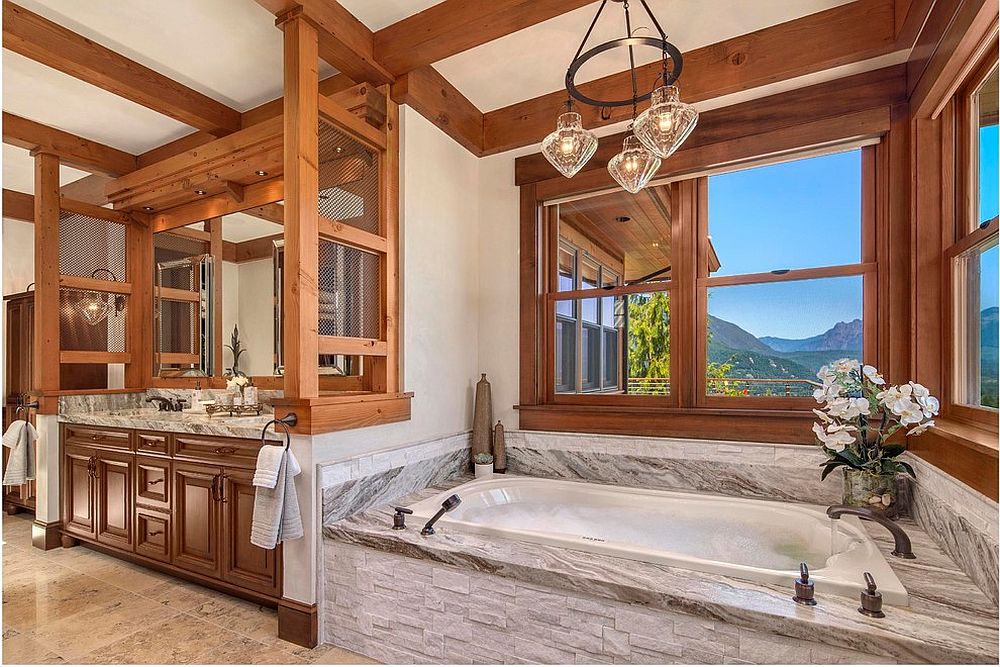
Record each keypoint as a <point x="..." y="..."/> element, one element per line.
<point x="196" y="423"/>
<point x="949" y="619"/>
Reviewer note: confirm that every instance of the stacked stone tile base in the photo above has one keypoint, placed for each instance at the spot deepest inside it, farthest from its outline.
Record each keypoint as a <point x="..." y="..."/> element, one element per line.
<point x="402" y="610"/>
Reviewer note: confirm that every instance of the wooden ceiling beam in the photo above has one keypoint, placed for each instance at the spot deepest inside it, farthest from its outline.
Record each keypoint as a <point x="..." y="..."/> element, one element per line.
<point x="864" y="29"/>
<point x="72" y="150"/>
<point x="91" y="189"/>
<point x="50" y="44"/>
<point x="454" y="26"/>
<point x="433" y="97"/>
<point x="18" y="206"/>
<point x="344" y="42"/>
<point x="270" y="212"/>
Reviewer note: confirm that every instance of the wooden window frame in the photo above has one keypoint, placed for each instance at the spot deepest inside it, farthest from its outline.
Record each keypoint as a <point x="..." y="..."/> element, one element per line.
<point x="966" y="236"/>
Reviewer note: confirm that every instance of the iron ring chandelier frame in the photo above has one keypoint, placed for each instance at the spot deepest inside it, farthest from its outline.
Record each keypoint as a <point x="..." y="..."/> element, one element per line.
<point x="668" y="77"/>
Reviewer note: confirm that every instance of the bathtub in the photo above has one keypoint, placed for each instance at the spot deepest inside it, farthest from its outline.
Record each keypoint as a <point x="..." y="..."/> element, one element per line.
<point x="757" y="540"/>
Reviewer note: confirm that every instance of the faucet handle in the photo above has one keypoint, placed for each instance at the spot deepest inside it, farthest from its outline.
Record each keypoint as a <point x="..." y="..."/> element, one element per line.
<point x="871" y="599"/>
<point x="805" y="590"/>
<point x="399" y="520"/>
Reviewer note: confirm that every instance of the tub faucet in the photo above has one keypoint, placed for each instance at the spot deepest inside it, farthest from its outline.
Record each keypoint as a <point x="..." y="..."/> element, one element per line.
<point x="450" y="503"/>
<point x="164" y="404"/>
<point x="902" y="548"/>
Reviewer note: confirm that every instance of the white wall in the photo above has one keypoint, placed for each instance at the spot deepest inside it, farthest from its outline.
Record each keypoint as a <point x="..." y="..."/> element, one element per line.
<point x="230" y="310"/>
<point x="439" y="221"/>
<point x="18" y="255"/>
<point x="256" y="316"/>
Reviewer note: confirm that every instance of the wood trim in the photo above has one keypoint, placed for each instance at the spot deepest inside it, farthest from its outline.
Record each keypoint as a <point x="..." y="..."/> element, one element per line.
<point x="46" y="364"/>
<point x="599" y="292"/>
<point x="350" y="124"/>
<point x="257" y="194"/>
<point x="178" y="358"/>
<point x="341" y="413"/>
<point x="90" y="189"/>
<point x="18" y="206"/>
<point x="530" y="287"/>
<point x="139" y="331"/>
<point x="174" y="294"/>
<point x="46" y="536"/>
<point x="298" y="622"/>
<point x="366" y="347"/>
<point x="791" y="275"/>
<point x="88" y="357"/>
<point x="35" y="37"/>
<point x="352" y="236"/>
<point x="95" y="284"/>
<point x="436" y="99"/>
<point x="965" y="452"/>
<point x="95" y="211"/>
<point x="72" y="150"/>
<point x="214" y="228"/>
<point x="870" y="90"/>
<point x="865" y="29"/>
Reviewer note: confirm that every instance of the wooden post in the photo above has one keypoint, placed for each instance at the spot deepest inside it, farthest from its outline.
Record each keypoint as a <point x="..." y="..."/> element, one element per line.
<point x="139" y="332"/>
<point x="214" y="228"/>
<point x="46" y="348"/>
<point x="301" y="121"/>
<point x="386" y="372"/>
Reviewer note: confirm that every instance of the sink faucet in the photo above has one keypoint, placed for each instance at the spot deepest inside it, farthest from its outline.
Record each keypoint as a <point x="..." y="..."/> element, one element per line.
<point x="164" y="404"/>
<point x="902" y="548"/>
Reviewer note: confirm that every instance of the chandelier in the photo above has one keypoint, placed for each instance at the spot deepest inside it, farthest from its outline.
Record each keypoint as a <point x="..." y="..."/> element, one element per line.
<point x="653" y="135"/>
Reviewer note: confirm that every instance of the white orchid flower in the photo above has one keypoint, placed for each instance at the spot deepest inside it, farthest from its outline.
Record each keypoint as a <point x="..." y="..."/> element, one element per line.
<point x="834" y="436"/>
<point x="873" y="375"/>
<point x="910" y="414"/>
<point x="826" y="375"/>
<point x="845" y="365"/>
<point x="822" y="415"/>
<point x="930" y="405"/>
<point x="827" y="393"/>
<point x="920" y="428"/>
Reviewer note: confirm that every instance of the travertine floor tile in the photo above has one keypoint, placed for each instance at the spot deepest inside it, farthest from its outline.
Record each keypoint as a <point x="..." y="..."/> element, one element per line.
<point x="19" y="649"/>
<point x="181" y="639"/>
<point x="247" y="651"/>
<point x="245" y="618"/>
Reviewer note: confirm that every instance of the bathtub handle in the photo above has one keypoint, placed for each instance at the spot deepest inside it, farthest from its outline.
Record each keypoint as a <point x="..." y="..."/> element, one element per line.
<point x="399" y="520"/>
<point x="805" y="590"/>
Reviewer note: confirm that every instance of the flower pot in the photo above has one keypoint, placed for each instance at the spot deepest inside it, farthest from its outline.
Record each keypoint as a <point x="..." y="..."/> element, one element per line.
<point x="484" y="470"/>
<point x="873" y="491"/>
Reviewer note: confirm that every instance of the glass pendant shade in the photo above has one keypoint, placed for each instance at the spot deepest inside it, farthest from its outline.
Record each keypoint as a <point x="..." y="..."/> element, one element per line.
<point x="664" y="126"/>
<point x="570" y="146"/>
<point x="94" y="309"/>
<point x="634" y="166"/>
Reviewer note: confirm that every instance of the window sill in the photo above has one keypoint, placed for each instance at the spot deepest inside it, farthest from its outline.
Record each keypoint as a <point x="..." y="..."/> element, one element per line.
<point x="973" y="436"/>
<point x="966" y="451"/>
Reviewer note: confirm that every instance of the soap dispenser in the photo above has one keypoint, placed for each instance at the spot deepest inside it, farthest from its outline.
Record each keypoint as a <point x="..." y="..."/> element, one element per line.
<point x="196" y="395"/>
<point x="871" y="599"/>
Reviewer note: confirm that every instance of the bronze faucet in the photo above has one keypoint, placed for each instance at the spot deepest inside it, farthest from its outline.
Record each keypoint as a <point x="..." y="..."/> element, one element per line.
<point x="902" y="548"/>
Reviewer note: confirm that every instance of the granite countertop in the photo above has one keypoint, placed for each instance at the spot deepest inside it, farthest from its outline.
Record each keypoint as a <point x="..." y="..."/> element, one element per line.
<point x="949" y="619"/>
<point x="198" y="423"/>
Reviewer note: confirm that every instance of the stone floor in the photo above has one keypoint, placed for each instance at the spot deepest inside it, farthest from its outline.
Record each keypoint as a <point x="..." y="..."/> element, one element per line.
<point x="81" y="607"/>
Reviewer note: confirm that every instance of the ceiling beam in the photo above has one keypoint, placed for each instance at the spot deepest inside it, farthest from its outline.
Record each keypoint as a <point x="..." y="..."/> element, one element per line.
<point x="18" y="206"/>
<point x="344" y="41"/>
<point x="72" y="150"/>
<point x="434" y="98"/>
<point x="863" y="29"/>
<point x="271" y="212"/>
<point x="50" y="44"/>
<point x="91" y="189"/>
<point x="454" y="26"/>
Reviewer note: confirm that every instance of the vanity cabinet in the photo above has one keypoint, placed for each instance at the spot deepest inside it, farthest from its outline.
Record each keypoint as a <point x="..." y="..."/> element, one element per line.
<point x="176" y="501"/>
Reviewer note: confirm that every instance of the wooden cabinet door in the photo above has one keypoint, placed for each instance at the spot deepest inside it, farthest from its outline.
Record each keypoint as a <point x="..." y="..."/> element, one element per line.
<point x="152" y="482"/>
<point x="114" y="498"/>
<point x="152" y="534"/>
<point x="243" y="563"/>
<point x="195" y="545"/>
<point x="79" y="515"/>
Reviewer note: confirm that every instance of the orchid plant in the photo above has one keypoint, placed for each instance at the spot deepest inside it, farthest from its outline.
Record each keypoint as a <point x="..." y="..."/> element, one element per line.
<point x="860" y="412"/>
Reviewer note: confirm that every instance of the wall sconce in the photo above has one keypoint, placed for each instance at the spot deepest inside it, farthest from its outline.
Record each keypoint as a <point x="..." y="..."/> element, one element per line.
<point x="95" y="306"/>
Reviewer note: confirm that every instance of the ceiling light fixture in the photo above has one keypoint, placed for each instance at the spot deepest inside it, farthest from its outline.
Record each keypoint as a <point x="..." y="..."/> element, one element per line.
<point x="147" y="208"/>
<point x="199" y="192"/>
<point x="655" y="134"/>
<point x="261" y="172"/>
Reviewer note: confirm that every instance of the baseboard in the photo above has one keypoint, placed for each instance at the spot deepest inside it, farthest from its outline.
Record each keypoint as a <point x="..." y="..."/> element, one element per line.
<point x="298" y="623"/>
<point x="46" y="536"/>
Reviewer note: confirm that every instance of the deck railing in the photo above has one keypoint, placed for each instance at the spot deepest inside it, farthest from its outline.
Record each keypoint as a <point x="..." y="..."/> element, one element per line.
<point x="729" y="386"/>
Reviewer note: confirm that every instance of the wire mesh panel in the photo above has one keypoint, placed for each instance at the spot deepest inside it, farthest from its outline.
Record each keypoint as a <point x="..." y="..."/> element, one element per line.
<point x="349" y="292"/>
<point x="91" y="247"/>
<point x="92" y="321"/>
<point x="348" y="180"/>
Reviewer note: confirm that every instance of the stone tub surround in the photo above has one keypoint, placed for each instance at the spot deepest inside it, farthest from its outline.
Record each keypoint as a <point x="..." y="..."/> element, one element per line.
<point x="961" y="520"/>
<point x="374" y="479"/>
<point x="755" y="470"/>
<point x="397" y="596"/>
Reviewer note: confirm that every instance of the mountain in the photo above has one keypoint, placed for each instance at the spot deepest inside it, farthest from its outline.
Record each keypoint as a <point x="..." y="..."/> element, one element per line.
<point x="988" y="357"/>
<point x="843" y="336"/>
<point x="729" y="335"/>
<point x="988" y="321"/>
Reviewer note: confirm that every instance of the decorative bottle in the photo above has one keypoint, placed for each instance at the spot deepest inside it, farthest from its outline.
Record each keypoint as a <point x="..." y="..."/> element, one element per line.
<point x="482" y="419"/>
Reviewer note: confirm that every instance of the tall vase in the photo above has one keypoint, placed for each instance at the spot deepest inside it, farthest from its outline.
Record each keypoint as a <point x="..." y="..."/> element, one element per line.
<point x="499" y="449"/>
<point x="872" y="491"/>
<point x="482" y="419"/>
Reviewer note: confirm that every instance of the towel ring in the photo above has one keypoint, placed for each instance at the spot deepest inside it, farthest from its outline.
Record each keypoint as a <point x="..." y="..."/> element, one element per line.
<point x="27" y="407"/>
<point x="285" y="422"/>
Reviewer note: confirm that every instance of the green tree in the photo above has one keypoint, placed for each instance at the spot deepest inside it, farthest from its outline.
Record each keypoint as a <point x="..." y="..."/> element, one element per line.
<point x="649" y="339"/>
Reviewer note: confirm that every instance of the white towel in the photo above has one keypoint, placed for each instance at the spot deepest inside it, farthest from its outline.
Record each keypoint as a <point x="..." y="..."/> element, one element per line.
<point x="268" y="463"/>
<point x="20" y="437"/>
<point x="276" y="516"/>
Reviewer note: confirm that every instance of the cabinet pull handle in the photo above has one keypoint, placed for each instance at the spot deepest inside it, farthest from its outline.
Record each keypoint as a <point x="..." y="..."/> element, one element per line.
<point x="153" y="533"/>
<point x="154" y="481"/>
<point x="95" y="436"/>
<point x="215" y="488"/>
<point x="225" y="450"/>
<point x="222" y="487"/>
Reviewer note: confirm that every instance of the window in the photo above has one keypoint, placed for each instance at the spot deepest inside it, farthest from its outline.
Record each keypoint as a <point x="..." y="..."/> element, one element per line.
<point x="784" y="292"/>
<point x="974" y="256"/>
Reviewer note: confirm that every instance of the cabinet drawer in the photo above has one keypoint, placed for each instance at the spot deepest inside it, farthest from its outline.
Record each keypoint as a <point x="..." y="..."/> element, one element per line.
<point x="99" y="437"/>
<point x="230" y="451"/>
<point x="152" y="443"/>
<point x="152" y="482"/>
<point x="152" y="534"/>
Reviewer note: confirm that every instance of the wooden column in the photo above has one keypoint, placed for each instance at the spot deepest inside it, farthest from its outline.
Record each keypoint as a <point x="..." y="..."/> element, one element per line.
<point x="139" y="332"/>
<point x="301" y="123"/>
<point x="46" y="348"/>
<point x="214" y="228"/>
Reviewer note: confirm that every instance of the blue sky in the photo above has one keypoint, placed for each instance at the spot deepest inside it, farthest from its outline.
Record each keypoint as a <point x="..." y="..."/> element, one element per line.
<point x="989" y="203"/>
<point x="793" y="215"/>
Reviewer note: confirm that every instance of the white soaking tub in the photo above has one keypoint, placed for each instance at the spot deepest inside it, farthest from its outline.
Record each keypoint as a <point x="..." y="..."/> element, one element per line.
<point x="757" y="540"/>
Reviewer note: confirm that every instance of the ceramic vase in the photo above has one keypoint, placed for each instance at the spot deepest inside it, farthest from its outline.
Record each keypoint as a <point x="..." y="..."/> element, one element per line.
<point x="499" y="449"/>
<point x="872" y="491"/>
<point x="482" y="419"/>
<point x="483" y="470"/>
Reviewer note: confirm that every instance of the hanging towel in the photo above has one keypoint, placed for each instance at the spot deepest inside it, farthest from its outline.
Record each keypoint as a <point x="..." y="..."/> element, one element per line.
<point x="268" y="462"/>
<point x="276" y="516"/>
<point x="20" y="437"/>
